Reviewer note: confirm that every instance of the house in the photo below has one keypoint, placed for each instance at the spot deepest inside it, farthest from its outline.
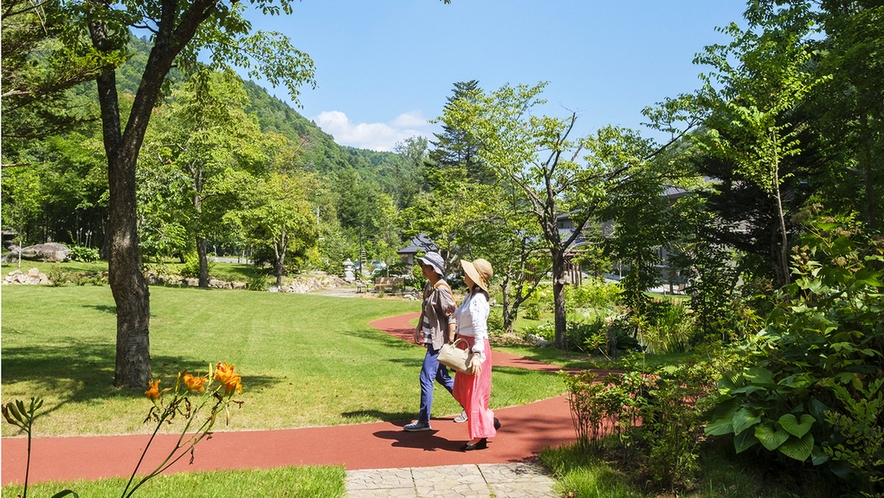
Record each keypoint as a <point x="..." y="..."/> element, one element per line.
<point x="421" y="243"/>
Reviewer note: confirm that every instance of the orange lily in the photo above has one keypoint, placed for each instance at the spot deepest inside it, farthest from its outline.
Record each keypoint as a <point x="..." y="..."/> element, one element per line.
<point x="154" y="392"/>
<point x="195" y="383"/>
<point x="232" y="382"/>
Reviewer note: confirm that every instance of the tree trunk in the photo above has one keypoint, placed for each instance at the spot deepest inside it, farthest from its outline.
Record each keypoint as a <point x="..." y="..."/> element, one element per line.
<point x="129" y="288"/>
<point x="867" y="155"/>
<point x="558" y="274"/>
<point x="280" y="259"/>
<point x="132" y="367"/>
<point x="202" y="254"/>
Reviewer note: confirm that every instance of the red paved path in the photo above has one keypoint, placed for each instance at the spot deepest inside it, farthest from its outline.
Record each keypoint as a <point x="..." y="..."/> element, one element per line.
<point x="526" y="430"/>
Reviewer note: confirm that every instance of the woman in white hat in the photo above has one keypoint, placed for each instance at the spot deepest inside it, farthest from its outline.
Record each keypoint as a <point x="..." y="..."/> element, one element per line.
<point x="473" y="389"/>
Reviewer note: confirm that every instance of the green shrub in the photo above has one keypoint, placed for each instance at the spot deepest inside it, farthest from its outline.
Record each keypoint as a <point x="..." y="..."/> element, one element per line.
<point x="545" y="330"/>
<point x="191" y="268"/>
<point x="84" y="254"/>
<point x="57" y="276"/>
<point x="495" y="320"/>
<point x="672" y="329"/>
<point x="593" y="293"/>
<point x="813" y="390"/>
<point x="531" y="311"/>
<point x="257" y="282"/>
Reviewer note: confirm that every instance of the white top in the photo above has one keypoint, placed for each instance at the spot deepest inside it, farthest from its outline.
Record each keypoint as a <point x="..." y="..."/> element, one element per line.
<point x="472" y="321"/>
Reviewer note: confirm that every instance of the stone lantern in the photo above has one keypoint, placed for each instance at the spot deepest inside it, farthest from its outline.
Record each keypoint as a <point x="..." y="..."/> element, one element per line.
<point x="348" y="270"/>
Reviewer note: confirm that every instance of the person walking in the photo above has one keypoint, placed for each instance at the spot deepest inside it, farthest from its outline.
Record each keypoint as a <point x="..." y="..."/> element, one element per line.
<point x="473" y="389"/>
<point x="435" y="326"/>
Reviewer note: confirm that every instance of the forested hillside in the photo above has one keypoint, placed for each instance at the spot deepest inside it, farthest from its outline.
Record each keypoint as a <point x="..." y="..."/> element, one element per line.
<point x="60" y="193"/>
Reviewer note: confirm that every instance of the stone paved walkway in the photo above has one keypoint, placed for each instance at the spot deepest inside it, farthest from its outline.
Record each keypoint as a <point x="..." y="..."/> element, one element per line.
<point x="518" y="480"/>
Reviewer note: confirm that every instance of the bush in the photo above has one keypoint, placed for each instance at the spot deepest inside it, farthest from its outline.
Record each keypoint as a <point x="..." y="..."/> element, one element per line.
<point x="191" y="268"/>
<point x="593" y="293"/>
<point x="84" y="254"/>
<point x="666" y="442"/>
<point x="672" y="329"/>
<point x="813" y="391"/>
<point x="531" y="311"/>
<point x="57" y="276"/>
<point x="257" y="282"/>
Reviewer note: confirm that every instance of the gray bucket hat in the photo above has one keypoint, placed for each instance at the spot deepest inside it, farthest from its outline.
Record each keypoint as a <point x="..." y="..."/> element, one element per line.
<point x="435" y="260"/>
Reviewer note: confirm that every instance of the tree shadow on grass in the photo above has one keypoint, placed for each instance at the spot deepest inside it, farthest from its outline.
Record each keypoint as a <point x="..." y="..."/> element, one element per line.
<point x="103" y="308"/>
<point x="376" y="336"/>
<point x="83" y="371"/>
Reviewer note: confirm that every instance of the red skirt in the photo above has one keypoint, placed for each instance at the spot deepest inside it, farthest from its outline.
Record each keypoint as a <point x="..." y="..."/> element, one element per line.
<point x="473" y="393"/>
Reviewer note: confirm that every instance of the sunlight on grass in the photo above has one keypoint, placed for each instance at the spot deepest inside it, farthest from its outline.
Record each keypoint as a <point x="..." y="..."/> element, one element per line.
<point x="288" y="482"/>
<point x="306" y="360"/>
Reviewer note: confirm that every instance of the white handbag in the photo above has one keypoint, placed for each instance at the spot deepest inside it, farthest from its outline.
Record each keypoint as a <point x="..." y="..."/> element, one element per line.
<point x="454" y="357"/>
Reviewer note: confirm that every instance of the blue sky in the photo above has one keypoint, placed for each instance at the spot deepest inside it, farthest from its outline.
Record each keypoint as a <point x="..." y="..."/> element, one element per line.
<point x="384" y="67"/>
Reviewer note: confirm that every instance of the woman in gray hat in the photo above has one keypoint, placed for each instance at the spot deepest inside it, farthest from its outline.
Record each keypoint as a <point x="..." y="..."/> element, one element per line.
<point x="435" y="327"/>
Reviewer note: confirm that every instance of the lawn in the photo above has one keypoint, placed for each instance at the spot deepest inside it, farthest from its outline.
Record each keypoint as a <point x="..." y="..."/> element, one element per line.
<point x="284" y="482"/>
<point x="305" y="360"/>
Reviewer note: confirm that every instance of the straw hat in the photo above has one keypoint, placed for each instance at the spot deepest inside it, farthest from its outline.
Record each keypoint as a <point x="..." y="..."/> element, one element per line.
<point x="479" y="271"/>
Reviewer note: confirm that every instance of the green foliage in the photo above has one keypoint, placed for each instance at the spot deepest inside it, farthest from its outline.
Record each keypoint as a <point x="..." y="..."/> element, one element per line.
<point x="57" y="276"/>
<point x="191" y="267"/>
<point x="595" y="401"/>
<point x="531" y="310"/>
<point x="671" y="329"/>
<point x="592" y="293"/>
<point x="257" y="282"/>
<point x="669" y="403"/>
<point x="814" y="377"/>
<point x="84" y="254"/>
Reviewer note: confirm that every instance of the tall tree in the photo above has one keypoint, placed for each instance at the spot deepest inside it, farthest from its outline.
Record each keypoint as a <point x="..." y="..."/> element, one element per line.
<point x="751" y="110"/>
<point x="181" y="30"/>
<point x="457" y="148"/>
<point x="277" y="214"/>
<point x="535" y="155"/>
<point x="205" y="133"/>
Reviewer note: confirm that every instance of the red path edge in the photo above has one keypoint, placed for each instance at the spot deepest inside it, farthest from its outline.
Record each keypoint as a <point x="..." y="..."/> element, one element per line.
<point x="525" y="431"/>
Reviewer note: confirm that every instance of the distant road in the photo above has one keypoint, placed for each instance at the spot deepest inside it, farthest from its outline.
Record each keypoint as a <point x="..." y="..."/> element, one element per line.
<point x="226" y="259"/>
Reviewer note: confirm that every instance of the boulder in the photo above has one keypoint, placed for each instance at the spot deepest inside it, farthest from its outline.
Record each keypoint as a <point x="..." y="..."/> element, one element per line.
<point x="50" y="251"/>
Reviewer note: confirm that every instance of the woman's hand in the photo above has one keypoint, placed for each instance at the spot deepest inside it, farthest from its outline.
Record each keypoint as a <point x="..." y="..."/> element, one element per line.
<point x="418" y="336"/>
<point x="475" y="366"/>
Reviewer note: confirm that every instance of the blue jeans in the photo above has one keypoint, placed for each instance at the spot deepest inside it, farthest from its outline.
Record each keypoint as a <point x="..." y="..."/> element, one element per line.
<point x="431" y="371"/>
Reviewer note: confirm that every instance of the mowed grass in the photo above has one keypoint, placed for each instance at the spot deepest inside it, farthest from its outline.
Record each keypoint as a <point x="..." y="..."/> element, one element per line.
<point x="284" y="482"/>
<point x="305" y="360"/>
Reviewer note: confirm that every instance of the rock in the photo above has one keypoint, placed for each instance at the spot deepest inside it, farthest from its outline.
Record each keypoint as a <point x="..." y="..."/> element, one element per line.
<point x="50" y="251"/>
<point x="538" y="341"/>
<point x="218" y="284"/>
<point x="32" y="277"/>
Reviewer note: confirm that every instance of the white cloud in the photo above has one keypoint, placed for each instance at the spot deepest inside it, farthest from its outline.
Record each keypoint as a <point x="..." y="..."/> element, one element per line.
<point x="373" y="136"/>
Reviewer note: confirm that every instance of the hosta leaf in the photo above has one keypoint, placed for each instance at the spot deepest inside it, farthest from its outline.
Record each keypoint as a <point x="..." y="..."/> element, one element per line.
<point x="743" y="419"/>
<point x="818" y="456"/>
<point x="759" y="375"/>
<point x="728" y="382"/>
<point x="770" y="437"/>
<point x="744" y="441"/>
<point x="794" y="427"/>
<point x="799" y="449"/>
<point x="720" y="427"/>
